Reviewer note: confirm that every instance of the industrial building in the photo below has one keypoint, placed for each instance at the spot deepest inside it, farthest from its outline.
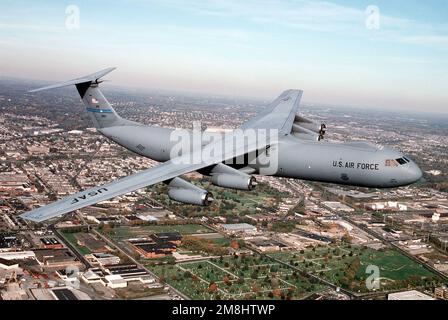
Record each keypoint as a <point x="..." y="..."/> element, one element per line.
<point x="150" y="249"/>
<point x="50" y="243"/>
<point x="409" y="295"/>
<point x="241" y="228"/>
<point x="117" y="276"/>
<point x="157" y="245"/>
<point x="102" y="259"/>
<point x="56" y="258"/>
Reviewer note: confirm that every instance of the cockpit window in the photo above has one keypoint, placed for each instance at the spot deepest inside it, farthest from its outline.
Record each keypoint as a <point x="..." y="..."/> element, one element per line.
<point x="396" y="162"/>
<point x="391" y="163"/>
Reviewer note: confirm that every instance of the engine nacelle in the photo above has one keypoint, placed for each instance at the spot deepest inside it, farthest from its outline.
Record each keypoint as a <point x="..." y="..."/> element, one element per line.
<point x="228" y="177"/>
<point x="240" y="182"/>
<point x="191" y="196"/>
<point x="185" y="192"/>
<point x="310" y="125"/>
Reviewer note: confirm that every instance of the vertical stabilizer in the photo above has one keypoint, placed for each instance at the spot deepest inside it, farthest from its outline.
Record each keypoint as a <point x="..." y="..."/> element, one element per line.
<point x="99" y="109"/>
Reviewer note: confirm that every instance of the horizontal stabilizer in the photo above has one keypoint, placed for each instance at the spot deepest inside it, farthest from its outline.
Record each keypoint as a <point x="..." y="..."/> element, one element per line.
<point x="90" y="78"/>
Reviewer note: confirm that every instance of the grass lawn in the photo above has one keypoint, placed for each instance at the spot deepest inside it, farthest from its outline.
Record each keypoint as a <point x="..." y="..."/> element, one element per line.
<point x="331" y="263"/>
<point x="70" y="237"/>
<point x="242" y="283"/>
<point x="393" y="265"/>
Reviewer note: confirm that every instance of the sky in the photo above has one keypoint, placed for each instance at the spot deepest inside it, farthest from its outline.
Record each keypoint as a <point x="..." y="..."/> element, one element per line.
<point x="390" y="54"/>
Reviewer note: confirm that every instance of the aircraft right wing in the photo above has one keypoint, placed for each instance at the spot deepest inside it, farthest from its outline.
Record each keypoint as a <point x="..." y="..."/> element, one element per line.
<point x="160" y="173"/>
<point x="280" y="114"/>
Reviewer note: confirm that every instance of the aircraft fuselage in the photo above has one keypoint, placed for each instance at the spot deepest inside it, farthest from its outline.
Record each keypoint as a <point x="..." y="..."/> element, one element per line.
<point x="352" y="163"/>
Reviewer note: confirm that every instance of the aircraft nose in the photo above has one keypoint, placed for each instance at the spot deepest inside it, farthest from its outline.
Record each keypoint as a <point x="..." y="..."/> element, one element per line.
<point x="414" y="173"/>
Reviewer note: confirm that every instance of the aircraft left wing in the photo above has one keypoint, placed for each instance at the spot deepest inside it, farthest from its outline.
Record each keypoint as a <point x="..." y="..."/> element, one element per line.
<point x="148" y="177"/>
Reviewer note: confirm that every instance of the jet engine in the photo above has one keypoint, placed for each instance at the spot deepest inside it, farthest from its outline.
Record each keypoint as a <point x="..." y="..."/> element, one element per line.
<point x="228" y="177"/>
<point x="186" y="192"/>
<point x="307" y="129"/>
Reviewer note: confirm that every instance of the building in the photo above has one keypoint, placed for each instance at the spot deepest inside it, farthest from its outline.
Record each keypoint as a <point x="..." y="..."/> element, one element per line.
<point x="150" y="249"/>
<point x="17" y="255"/>
<point x="104" y="220"/>
<point x="50" y="243"/>
<point x="409" y="295"/>
<point x="130" y="272"/>
<point x="102" y="259"/>
<point x="117" y="276"/>
<point x="337" y="206"/>
<point x="266" y="245"/>
<point x="38" y="150"/>
<point x="242" y="228"/>
<point x="59" y="294"/>
<point x="261" y="217"/>
<point x="8" y="264"/>
<point x="388" y="205"/>
<point x="56" y="258"/>
<point x="115" y="281"/>
<point x="441" y="292"/>
<point x="8" y="241"/>
<point x="173" y="237"/>
<point x="157" y="245"/>
<point x="14" y="181"/>
<point x="94" y="275"/>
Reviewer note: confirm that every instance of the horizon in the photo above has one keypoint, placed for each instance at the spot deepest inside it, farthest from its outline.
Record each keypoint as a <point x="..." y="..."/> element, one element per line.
<point x="247" y="99"/>
<point x="387" y="55"/>
<point x="390" y="54"/>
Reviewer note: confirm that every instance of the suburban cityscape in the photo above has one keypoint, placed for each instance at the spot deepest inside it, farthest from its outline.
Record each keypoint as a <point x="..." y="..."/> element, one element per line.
<point x="285" y="240"/>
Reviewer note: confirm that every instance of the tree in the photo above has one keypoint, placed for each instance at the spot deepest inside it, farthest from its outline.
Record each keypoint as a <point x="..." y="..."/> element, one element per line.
<point x="213" y="287"/>
<point x="346" y="238"/>
<point x="226" y="280"/>
<point x="276" y="293"/>
<point x="274" y="282"/>
<point x="234" y="244"/>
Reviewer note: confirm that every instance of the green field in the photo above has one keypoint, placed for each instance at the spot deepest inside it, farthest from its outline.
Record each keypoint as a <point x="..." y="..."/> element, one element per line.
<point x="70" y="237"/>
<point x="237" y="278"/>
<point x="331" y="263"/>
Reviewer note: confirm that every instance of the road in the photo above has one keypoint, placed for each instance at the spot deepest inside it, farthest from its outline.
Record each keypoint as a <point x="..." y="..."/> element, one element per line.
<point x="69" y="245"/>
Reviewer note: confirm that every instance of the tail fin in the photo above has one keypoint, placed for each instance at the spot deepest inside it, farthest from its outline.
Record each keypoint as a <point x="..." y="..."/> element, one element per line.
<point x="99" y="109"/>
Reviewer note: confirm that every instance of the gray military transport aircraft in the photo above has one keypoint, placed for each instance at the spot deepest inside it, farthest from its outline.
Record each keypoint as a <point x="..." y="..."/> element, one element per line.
<point x="300" y="150"/>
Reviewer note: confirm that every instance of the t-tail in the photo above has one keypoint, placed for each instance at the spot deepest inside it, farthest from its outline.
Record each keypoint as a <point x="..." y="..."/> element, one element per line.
<point x="99" y="109"/>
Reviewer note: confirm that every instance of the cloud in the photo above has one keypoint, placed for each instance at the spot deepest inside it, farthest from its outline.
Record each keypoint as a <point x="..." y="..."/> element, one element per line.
<point x="32" y="27"/>
<point x="426" y="40"/>
<point x="319" y="16"/>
